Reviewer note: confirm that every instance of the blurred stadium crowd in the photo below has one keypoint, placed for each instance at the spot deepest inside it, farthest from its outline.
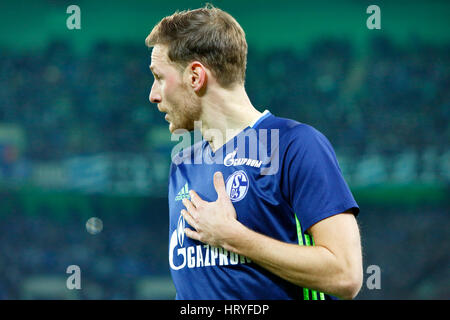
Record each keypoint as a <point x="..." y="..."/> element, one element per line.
<point x="389" y="102"/>
<point x="129" y="260"/>
<point x="112" y="262"/>
<point x="393" y="99"/>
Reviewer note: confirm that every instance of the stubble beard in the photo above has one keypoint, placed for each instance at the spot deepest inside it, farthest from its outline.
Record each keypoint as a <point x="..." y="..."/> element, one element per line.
<point x="190" y="111"/>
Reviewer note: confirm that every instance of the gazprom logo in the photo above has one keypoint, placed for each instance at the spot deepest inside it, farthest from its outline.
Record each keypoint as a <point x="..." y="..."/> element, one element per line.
<point x="231" y="160"/>
<point x="237" y="185"/>
<point x="180" y="230"/>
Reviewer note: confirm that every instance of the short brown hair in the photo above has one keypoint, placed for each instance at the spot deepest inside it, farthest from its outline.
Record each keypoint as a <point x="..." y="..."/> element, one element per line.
<point x="208" y="35"/>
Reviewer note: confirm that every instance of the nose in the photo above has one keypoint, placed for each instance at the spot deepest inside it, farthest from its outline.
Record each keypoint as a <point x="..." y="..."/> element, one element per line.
<point x="155" y="96"/>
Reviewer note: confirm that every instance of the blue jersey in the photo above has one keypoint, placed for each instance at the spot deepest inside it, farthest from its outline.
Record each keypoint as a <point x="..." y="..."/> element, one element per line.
<point x="282" y="177"/>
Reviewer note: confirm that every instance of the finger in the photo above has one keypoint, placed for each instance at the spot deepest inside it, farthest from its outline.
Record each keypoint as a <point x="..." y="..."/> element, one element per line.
<point x="189" y="205"/>
<point x="192" y="234"/>
<point x="196" y="199"/>
<point x="189" y="219"/>
<point x="219" y="185"/>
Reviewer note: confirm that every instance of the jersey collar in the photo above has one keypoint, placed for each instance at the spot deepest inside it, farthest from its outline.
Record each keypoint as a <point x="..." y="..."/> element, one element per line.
<point x="264" y="115"/>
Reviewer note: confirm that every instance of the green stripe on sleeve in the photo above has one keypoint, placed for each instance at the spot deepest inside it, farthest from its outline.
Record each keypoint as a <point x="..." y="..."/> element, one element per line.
<point x="300" y="242"/>
<point x="299" y="230"/>
<point x="309" y="240"/>
<point x="305" y="294"/>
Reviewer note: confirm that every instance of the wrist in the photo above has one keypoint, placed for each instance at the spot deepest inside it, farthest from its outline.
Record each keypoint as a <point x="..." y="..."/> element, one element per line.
<point x="235" y="237"/>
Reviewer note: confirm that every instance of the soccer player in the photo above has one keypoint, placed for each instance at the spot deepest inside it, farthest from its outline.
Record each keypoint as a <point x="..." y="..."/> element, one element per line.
<point x="276" y="223"/>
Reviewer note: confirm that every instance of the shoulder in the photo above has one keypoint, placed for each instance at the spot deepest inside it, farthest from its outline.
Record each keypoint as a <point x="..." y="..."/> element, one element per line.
<point x="295" y="133"/>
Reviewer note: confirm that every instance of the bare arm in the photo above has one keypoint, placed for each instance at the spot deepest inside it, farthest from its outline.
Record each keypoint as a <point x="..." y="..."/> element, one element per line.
<point x="333" y="265"/>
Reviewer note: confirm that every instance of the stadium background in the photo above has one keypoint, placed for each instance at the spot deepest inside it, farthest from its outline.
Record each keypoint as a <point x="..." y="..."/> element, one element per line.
<point x="78" y="137"/>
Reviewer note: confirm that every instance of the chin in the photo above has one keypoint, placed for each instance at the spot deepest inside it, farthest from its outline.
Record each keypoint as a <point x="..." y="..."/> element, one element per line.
<point x="173" y="128"/>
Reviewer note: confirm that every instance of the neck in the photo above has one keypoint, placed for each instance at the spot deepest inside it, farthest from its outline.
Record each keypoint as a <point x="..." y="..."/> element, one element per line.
<point x="225" y="114"/>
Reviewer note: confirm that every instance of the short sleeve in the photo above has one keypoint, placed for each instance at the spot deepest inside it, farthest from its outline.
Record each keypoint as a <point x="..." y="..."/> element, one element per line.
<point x="313" y="180"/>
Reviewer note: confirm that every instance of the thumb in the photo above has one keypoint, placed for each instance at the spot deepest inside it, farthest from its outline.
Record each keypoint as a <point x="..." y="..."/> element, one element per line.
<point x="219" y="185"/>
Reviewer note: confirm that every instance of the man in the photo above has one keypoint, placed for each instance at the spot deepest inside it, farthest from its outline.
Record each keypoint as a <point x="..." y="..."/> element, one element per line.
<point x="272" y="225"/>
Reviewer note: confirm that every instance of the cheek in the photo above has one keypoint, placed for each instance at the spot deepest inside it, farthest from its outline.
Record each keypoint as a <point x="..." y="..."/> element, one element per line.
<point x="170" y="85"/>
<point x="174" y="92"/>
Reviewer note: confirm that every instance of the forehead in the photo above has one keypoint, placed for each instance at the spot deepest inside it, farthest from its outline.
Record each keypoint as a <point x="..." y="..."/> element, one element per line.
<point x="159" y="57"/>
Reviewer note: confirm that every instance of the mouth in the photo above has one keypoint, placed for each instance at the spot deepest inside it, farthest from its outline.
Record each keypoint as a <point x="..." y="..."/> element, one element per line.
<point x="166" y="117"/>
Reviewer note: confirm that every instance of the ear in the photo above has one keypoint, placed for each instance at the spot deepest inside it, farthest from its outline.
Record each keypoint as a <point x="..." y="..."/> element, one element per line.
<point x="198" y="76"/>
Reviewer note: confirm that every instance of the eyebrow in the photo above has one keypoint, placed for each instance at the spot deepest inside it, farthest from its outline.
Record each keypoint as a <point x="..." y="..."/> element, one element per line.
<point x="153" y="69"/>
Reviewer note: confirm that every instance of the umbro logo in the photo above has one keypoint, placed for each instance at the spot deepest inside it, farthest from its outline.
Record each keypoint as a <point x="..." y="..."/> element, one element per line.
<point x="183" y="194"/>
